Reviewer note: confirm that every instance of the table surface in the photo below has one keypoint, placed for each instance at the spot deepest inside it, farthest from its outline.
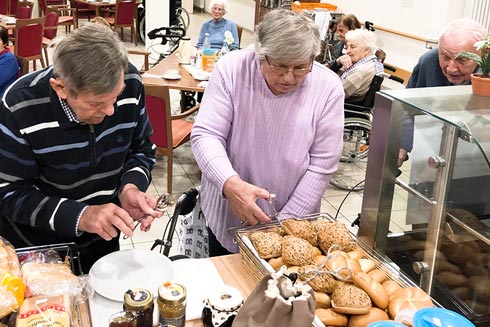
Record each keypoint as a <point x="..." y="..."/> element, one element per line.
<point x="187" y="82"/>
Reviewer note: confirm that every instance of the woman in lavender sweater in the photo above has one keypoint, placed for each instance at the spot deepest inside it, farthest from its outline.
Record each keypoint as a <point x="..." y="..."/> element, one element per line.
<point x="271" y="119"/>
<point x="217" y="26"/>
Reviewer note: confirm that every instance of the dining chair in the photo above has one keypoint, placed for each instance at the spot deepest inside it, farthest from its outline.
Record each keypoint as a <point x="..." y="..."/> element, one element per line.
<point x="125" y="16"/>
<point x="239" y="30"/>
<point x="82" y="10"/>
<point x="23" y="66"/>
<point x="50" y="30"/>
<point x="4" y="7"/>
<point x="24" y="10"/>
<point x="28" y="40"/>
<point x="146" y="59"/>
<point x="13" y="7"/>
<point x="169" y="131"/>
<point x="66" y="14"/>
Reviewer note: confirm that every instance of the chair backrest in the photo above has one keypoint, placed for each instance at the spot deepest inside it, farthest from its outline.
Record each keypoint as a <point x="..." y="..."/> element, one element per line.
<point x="239" y="31"/>
<point x="4" y="7"/>
<point x="13" y="7"/>
<point x="24" y="10"/>
<point x="125" y="12"/>
<point x="29" y="37"/>
<point x="42" y="7"/>
<point x="51" y="23"/>
<point x="157" y="103"/>
<point x="374" y="87"/>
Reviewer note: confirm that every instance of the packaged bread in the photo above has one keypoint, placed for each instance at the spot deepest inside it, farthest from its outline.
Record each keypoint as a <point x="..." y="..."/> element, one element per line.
<point x="267" y="244"/>
<point x="41" y="310"/>
<point x="300" y="228"/>
<point x="8" y="259"/>
<point x="296" y="251"/>
<point x="48" y="279"/>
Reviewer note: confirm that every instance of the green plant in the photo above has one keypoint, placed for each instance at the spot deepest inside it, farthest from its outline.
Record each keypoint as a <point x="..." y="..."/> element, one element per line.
<point x="483" y="59"/>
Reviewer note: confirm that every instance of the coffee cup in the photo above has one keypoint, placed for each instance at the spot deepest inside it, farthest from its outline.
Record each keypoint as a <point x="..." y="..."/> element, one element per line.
<point x="171" y="73"/>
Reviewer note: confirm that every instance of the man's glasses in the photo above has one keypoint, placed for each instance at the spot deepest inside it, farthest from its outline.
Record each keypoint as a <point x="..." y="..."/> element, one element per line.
<point x="282" y="70"/>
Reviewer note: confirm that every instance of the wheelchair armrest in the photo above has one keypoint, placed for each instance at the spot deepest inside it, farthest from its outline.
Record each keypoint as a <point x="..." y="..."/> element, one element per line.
<point x="356" y="107"/>
<point x="397" y="79"/>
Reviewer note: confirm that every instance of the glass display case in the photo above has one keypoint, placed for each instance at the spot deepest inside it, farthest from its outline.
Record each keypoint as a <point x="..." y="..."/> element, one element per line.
<point x="431" y="217"/>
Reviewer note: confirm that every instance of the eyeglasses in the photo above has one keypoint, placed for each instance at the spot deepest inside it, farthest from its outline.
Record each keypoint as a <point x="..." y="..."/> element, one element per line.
<point x="282" y="70"/>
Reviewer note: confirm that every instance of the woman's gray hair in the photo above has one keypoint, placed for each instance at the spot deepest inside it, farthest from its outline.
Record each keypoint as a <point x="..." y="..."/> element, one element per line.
<point x="364" y="38"/>
<point x="224" y="3"/>
<point x="284" y="35"/>
<point x="90" y="60"/>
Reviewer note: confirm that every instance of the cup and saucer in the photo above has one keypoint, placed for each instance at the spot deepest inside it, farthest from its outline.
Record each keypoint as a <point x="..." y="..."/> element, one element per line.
<point x="201" y="75"/>
<point x="171" y="74"/>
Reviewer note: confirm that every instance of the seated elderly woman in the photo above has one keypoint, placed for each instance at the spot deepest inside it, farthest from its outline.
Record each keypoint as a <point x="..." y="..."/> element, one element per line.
<point x="343" y="25"/>
<point x="361" y="64"/>
<point x="217" y="26"/>
<point x="271" y="119"/>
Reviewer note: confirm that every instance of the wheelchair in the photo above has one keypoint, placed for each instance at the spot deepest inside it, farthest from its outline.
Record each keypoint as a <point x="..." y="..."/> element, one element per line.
<point x="351" y="171"/>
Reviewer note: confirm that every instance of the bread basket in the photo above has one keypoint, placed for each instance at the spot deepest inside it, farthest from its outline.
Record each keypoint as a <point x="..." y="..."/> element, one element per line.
<point x="258" y="267"/>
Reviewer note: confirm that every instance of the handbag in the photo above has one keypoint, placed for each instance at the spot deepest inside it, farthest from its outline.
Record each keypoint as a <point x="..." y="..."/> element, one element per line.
<point x="193" y="232"/>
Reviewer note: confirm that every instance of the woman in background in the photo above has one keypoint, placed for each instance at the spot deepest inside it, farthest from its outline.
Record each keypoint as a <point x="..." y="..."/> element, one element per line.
<point x="9" y="67"/>
<point x="217" y="26"/>
<point x="356" y="77"/>
<point x="344" y="24"/>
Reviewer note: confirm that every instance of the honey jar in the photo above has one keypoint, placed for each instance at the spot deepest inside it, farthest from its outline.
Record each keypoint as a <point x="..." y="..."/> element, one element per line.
<point x="172" y="300"/>
<point x="220" y="308"/>
<point x="140" y="302"/>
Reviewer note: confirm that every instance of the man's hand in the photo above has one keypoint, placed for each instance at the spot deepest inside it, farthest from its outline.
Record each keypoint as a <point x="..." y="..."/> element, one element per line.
<point x="138" y="205"/>
<point x="242" y="197"/>
<point x="402" y="156"/>
<point x="104" y="219"/>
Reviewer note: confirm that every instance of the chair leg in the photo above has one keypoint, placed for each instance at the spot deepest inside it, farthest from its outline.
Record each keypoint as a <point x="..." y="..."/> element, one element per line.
<point x="169" y="172"/>
<point x="43" y="64"/>
<point x="46" y="56"/>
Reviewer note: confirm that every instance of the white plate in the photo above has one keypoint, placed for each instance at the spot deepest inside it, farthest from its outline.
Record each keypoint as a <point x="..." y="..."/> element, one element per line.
<point x="112" y="275"/>
<point x="172" y="76"/>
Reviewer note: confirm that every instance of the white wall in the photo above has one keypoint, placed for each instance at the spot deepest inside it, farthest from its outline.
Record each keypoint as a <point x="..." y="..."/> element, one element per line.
<point x="423" y="18"/>
<point x="159" y="17"/>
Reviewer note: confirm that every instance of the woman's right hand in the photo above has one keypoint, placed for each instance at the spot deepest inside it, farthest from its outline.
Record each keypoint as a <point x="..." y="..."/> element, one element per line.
<point x="242" y="197"/>
<point x="345" y="61"/>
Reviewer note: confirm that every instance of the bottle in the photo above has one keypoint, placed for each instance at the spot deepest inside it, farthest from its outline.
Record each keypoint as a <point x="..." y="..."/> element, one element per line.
<point x="208" y="59"/>
<point x="207" y="43"/>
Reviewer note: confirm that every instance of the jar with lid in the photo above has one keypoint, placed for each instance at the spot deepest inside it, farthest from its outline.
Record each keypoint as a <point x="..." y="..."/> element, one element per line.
<point x="221" y="307"/>
<point x="140" y="302"/>
<point x="123" y="319"/>
<point x="172" y="300"/>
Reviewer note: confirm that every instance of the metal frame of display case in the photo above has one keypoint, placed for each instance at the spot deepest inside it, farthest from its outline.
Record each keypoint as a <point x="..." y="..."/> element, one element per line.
<point x="389" y="114"/>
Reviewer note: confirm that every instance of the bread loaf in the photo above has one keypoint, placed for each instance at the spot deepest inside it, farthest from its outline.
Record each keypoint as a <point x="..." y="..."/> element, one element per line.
<point x="47" y="278"/>
<point x="374" y="289"/>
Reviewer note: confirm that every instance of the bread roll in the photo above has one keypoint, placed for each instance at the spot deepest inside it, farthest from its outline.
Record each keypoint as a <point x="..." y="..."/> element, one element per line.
<point x="375" y="290"/>
<point x="267" y="244"/>
<point x="409" y="298"/>
<point x="331" y="318"/>
<point x="316" y="251"/>
<point x="463" y="293"/>
<point x="318" y="280"/>
<point x="322" y="300"/>
<point x="350" y="299"/>
<point x="451" y="279"/>
<point x="300" y="228"/>
<point x="296" y="251"/>
<point x="390" y="286"/>
<point x="337" y="234"/>
<point x="320" y="260"/>
<point x="276" y="263"/>
<point x="480" y="286"/>
<point x="366" y="264"/>
<point x="378" y="275"/>
<point x="344" y="267"/>
<point x="375" y="314"/>
<point x="357" y="253"/>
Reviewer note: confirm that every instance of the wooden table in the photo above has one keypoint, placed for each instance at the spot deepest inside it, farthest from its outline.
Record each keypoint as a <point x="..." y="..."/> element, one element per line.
<point x="187" y="84"/>
<point x="98" y="4"/>
<point x="233" y="274"/>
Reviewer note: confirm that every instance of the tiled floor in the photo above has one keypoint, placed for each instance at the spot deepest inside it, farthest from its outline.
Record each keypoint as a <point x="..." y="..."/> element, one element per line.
<point x="187" y="174"/>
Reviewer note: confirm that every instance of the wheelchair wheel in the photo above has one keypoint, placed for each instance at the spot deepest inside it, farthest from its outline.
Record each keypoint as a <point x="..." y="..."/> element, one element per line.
<point x="352" y="166"/>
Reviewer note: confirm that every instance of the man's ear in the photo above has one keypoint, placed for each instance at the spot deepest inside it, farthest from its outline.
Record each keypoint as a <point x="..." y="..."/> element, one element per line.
<point x="59" y="88"/>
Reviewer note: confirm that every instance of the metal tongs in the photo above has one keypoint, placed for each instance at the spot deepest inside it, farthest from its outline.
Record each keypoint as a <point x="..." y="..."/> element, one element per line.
<point x="343" y="274"/>
<point x="162" y="203"/>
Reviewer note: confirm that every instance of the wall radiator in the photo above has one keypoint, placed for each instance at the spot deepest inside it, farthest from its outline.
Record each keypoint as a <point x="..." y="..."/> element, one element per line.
<point x="478" y="10"/>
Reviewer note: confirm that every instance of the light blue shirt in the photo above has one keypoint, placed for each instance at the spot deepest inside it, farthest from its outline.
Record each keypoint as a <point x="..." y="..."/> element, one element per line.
<point x="216" y="31"/>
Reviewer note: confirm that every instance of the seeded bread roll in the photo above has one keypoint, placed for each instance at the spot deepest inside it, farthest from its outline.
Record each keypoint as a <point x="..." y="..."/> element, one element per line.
<point x="331" y="318"/>
<point x="296" y="251"/>
<point x="267" y="244"/>
<point x="321" y="225"/>
<point x="320" y="282"/>
<point x="350" y="299"/>
<point x="300" y="228"/>
<point x="337" y="234"/>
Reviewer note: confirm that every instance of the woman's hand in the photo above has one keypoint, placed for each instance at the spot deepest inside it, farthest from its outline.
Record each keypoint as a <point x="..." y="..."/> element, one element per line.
<point x="345" y="61"/>
<point x="242" y="197"/>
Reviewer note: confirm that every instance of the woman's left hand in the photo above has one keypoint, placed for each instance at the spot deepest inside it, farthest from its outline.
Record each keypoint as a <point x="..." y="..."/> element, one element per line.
<point x="242" y="197"/>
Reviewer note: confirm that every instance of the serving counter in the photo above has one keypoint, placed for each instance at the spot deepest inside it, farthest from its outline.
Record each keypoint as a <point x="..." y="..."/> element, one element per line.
<point x="433" y="220"/>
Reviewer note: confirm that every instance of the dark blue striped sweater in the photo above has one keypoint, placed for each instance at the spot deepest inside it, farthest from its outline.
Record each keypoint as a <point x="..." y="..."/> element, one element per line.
<point x="51" y="168"/>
